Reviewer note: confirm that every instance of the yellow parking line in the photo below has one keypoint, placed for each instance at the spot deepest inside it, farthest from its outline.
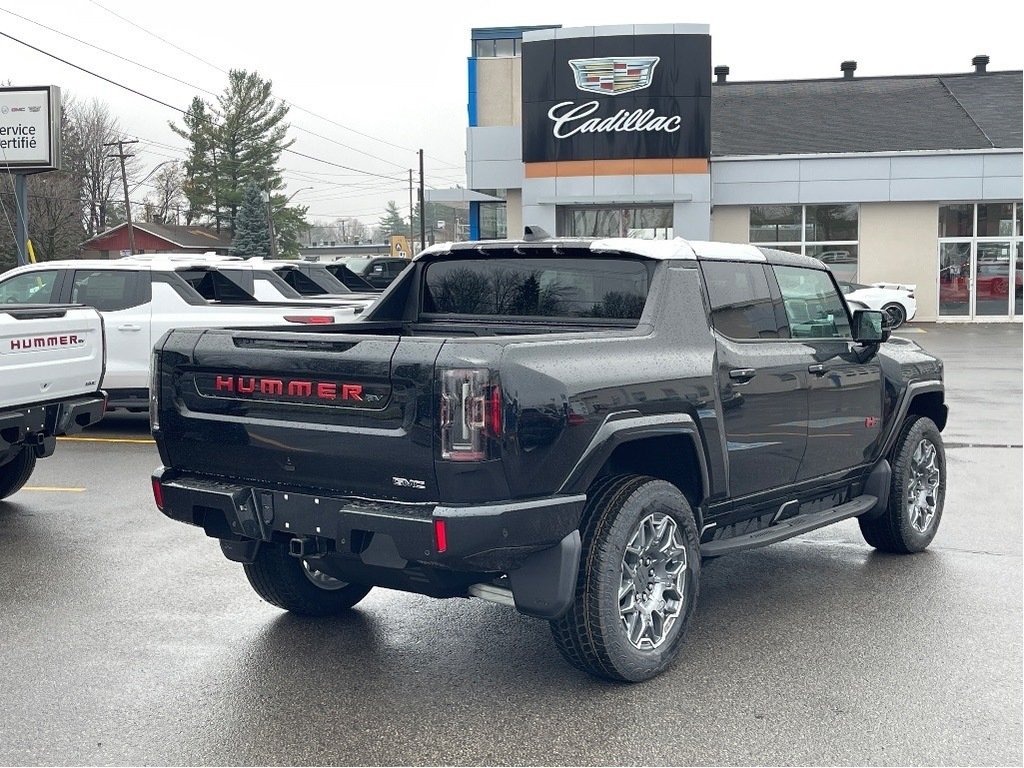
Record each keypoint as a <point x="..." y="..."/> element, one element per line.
<point x="53" y="489"/>
<point x="137" y="440"/>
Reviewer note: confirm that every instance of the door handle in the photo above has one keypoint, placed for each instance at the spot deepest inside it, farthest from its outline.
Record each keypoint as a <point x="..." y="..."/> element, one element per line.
<point x="742" y="374"/>
<point x="817" y="369"/>
<point x="129" y="327"/>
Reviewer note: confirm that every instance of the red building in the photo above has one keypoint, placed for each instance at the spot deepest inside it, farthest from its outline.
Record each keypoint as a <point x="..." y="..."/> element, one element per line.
<point x="153" y="238"/>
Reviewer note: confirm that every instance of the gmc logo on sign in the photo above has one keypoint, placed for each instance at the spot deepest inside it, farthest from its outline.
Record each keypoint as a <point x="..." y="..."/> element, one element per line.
<point x="46" y="342"/>
<point x="314" y="390"/>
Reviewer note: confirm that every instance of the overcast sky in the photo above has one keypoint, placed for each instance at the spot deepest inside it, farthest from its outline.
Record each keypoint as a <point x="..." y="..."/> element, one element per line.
<point x="396" y="71"/>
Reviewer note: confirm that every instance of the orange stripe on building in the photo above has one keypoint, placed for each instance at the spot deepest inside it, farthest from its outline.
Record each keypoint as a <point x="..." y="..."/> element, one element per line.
<point x="666" y="166"/>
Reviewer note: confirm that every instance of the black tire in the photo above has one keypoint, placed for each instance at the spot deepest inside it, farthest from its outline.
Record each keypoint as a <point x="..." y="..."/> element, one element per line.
<point x="284" y="581"/>
<point x="16" y="472"/>
<point x="593" y="635"/>
<point x="899" y="530"/>
<point x="896" y="313"/>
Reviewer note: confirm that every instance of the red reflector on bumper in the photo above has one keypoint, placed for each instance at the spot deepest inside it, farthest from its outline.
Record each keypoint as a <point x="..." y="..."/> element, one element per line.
<point x="158" y="494"/>
<point x="440" y="535"/>
<point x="310" y="319"/>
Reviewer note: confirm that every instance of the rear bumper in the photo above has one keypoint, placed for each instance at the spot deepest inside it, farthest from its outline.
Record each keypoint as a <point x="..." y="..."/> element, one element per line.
<point x="39" y="425"/>
<point x="381" y="534"/>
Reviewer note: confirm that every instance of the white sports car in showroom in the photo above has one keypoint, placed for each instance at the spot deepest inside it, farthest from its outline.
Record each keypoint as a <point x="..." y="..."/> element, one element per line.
<point x="894" y="299"/>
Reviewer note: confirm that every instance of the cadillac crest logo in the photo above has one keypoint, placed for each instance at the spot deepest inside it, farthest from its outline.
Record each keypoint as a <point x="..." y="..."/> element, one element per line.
<point x="614" y="75"/>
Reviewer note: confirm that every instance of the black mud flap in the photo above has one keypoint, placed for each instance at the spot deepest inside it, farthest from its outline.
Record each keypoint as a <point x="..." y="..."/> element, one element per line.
<point x="877" y="485"/>
<point x="545" y="584"/>
<point x="240" y="551"/>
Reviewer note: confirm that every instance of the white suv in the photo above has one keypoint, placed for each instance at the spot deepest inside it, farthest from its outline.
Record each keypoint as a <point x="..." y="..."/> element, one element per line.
<point x="141" y="299"/>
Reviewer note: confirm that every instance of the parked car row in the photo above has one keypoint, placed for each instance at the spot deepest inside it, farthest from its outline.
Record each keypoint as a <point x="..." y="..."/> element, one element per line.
<point x="142" y="297"/>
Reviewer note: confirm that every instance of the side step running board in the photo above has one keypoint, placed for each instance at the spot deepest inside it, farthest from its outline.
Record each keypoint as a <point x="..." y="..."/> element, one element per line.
<point x="793" y="526"/>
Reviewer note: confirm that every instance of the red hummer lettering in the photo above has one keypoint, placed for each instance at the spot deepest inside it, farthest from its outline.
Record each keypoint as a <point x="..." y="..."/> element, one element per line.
<point x="271" y="387"/>
<point x="320" y="390"/>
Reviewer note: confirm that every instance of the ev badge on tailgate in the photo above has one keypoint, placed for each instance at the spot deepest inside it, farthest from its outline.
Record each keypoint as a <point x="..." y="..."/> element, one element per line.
<point x="403" y="482"/>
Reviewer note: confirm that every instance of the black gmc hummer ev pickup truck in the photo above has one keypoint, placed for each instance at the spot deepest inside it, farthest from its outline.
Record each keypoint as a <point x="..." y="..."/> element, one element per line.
<point x="565" y="426"/>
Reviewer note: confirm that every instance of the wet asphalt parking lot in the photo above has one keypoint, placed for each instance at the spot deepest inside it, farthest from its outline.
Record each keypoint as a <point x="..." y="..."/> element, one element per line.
<point x="128" y="639"/>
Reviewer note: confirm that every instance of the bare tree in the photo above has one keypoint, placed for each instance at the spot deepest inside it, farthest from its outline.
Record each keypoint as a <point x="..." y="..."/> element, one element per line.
<point x="101" y="179"/>
<point x="54" y="205"/>
<point x="167" y="197"/>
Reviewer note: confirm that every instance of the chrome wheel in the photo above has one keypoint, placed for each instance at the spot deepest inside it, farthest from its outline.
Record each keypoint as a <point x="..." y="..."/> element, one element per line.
<point x="653" y="583"/>
<point x="923" y="487"/>
<point x="321" y="579"/>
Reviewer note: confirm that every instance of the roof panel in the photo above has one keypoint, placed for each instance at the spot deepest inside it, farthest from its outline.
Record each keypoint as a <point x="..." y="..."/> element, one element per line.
<point x="867" y="114"/>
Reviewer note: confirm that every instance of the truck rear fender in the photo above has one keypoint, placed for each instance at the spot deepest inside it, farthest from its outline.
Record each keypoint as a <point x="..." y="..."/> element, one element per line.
<point x="666" y="446"/>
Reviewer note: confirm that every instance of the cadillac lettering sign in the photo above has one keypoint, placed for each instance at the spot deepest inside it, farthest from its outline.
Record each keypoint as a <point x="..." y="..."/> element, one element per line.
<point x="645" y="97"/>
<point x="577" y="119"/>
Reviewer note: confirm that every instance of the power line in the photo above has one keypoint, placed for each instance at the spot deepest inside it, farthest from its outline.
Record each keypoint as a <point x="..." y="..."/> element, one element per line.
<point x="182" y="111"/>
<point x="190" y="85"/>
<point x="286" y="101"/>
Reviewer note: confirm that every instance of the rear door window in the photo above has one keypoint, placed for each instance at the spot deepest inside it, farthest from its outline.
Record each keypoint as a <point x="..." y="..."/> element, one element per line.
<point x="108" y="290"/>
<point x="813" y="305"/>
<point x="613" y="288"/>
<point x="29" y="288"/>
<point x="741" y="301"/>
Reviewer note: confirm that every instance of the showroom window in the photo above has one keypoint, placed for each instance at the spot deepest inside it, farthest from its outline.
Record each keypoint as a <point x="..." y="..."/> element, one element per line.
<point x="494" y="216"/>
<point x="826" y="232"/>
<point x="640" y="222"/>
<point x="980" y="255"/>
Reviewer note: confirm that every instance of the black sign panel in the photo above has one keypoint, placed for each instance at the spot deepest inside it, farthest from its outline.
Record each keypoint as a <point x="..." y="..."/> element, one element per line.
<point x="617" y="97"/>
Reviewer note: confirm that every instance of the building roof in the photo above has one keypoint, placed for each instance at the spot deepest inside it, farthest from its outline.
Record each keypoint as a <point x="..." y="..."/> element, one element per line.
<point x="182" y="236"/>
<point x="868" y="114"/>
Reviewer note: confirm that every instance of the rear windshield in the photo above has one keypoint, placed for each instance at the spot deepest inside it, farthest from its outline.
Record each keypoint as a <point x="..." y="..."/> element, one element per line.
<point x="613" y="288"/>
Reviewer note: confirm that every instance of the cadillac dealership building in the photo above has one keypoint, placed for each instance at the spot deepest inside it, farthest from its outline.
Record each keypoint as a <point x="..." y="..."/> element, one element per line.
<point x="620" y="131"/>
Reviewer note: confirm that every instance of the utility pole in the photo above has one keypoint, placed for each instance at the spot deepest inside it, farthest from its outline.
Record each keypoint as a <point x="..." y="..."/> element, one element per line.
<point x="21" y="217"/>
<point x="423" y="209"/>
<point x="270" y="222"/>
<point x="412" y="237"/>
<point x="216" y="183"/>
<point x="121" y="155"/>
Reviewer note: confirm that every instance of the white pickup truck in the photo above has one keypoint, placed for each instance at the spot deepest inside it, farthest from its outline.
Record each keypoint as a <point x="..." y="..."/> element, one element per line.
<point x="140" y="300"/>
<point x="51" y="364"/>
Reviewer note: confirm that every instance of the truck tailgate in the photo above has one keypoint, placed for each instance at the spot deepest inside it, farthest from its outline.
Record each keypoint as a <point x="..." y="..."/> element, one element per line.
<point x="49" y="353"/>
<point x="333" y="410"/>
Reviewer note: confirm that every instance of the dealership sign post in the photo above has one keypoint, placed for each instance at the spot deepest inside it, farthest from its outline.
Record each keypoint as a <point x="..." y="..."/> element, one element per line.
<point x="30" y="142"/>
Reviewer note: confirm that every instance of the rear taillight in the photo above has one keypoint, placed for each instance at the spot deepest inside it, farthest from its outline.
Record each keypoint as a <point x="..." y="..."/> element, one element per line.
<point x="440" y="535"/>
<point x="310" y="319"/>
<point x="471" y="413"/>
<point x="158" y="493"/>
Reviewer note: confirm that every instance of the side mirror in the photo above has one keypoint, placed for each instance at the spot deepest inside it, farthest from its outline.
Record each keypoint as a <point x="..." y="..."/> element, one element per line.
<point x="869" y="327"/>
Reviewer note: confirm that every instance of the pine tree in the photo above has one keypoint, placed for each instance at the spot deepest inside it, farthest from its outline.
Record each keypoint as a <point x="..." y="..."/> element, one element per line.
<point x="200" y="180"/>
<point x="250" y="136"/>
<point x="235" y="143"/>
<point x="252" y="236"/>
<point x="392" y="223"/>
